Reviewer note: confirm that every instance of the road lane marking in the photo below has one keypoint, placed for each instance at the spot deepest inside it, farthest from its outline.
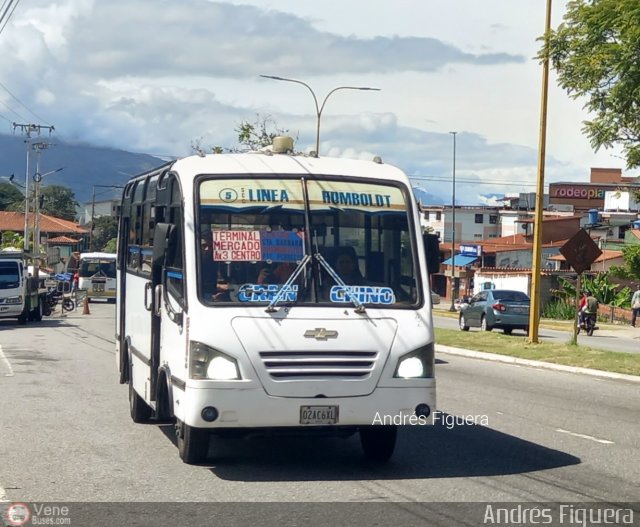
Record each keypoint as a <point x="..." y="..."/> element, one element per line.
<point x="584" y="436"/>
<point x="9" y="368"/>
<point x="3" y="496"/>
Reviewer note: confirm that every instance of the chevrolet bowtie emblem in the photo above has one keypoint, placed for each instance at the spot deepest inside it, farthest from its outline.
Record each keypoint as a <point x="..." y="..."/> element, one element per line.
<point x="321" y="334"/>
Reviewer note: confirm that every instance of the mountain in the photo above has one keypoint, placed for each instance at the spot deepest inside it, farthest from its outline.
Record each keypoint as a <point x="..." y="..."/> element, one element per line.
<point x="84" y="165"/>
<point x="426" y="198"/>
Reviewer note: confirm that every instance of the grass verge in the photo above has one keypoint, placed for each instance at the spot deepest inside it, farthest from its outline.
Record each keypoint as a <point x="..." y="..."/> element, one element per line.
<point x="516" y="345"/>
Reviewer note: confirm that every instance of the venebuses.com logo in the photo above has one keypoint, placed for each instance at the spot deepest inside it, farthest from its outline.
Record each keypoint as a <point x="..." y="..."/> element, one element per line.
<point x="18" y="514"/>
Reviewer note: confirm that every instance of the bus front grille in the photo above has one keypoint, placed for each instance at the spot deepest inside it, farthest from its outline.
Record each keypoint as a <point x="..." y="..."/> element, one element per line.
<point x="313" y="364"/>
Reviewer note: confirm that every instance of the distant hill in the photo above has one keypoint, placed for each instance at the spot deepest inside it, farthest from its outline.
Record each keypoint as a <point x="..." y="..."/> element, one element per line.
<point x="427" y="198"/>
<point x="85" y="165"/>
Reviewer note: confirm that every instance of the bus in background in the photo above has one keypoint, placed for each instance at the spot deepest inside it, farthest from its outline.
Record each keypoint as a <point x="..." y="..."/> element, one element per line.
<point x="97" y="275"/>
<point x="269" y="291"/>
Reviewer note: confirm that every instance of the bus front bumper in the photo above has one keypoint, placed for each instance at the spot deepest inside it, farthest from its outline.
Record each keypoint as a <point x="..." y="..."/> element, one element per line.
<point x="253" y="408"/>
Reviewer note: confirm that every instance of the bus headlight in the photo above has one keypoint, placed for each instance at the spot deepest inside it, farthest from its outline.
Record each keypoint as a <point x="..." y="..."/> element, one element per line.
<point x="417" y="364"/>
<point x="13" y="300"/>
<point x="209" y="363"/>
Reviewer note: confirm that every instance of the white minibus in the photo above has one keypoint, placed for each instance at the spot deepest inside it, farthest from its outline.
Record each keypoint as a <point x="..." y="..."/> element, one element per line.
<point x="273" y="292"/>
<point x="97" y="275"/>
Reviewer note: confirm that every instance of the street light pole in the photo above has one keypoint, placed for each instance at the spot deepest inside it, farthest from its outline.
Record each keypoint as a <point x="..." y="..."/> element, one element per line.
<point x="93" y="212"/>
<point x="319" y="108"/>
<point x="453" y="228"/>
<point x="37" y="178"/>
<point x="25" y="243"/>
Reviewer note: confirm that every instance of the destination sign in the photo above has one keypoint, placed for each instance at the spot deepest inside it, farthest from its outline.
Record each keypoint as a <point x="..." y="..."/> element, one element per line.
<point x="253" y="246"/>
<point x="252" y="193"/>
<point x="287" y="194"/>
<point x="347" y="195"/>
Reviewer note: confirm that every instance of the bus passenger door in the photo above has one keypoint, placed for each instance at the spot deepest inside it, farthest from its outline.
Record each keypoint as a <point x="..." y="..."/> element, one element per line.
<point x="168" y="335"/>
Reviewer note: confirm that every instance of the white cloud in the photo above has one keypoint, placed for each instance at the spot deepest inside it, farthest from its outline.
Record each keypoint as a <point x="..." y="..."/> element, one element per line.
<point x="152" y="77"/>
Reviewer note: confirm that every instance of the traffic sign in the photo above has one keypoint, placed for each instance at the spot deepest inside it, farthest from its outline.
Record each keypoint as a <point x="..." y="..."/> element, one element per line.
<point x="580" y="251"/>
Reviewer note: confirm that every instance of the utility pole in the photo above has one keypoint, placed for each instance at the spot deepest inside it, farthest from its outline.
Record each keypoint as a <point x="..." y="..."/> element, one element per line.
<point x="93" y="212"/>
<point x="38" y="147"/>
<point x="454" y="288"/>
<point x="534" y="308"/>
<point x="28" y="129"/>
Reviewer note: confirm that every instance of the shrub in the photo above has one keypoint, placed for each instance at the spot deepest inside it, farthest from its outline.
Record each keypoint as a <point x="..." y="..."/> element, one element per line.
<point x="559" y="310"/>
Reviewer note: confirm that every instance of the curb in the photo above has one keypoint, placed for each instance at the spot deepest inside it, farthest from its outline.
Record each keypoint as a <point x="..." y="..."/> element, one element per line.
<point x="535" y="364"/>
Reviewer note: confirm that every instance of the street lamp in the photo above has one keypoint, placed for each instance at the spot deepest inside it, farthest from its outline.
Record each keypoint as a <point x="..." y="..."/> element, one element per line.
<point x="453" y="228"/>
<point x="320" y="108"/>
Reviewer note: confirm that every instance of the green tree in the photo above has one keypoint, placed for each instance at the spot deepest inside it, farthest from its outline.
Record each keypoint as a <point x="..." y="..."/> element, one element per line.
<point x="10" y="197"/>
<point x="595" y="53"/>
<point x="105" y="228"/>
<point x="599" y="286"/>
<point x="58" y="201"/>
<point x="111" y="245"/>
<point x="251" y="136"/>
<point x="12" y="239"/>
<point x="259" y="133"/>
<point x="631" y="267"/>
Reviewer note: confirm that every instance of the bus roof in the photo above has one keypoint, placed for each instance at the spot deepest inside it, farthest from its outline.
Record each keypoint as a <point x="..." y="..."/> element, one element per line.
<point x="265" y="163"/>
<point x="96" y="255"/>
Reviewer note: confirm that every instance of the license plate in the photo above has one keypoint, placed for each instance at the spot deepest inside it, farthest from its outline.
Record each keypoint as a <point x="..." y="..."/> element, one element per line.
<point x="318" y="415"/>
<point x="520" y="310"/>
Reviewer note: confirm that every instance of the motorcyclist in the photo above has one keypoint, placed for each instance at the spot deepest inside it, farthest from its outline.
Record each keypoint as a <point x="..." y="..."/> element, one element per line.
<point x="589" y="308"/>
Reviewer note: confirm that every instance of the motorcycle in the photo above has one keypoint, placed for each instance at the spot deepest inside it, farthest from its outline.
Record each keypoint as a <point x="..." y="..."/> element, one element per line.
<point x="60" y="294"/>
<point x="588" y="324"/>
<point x="53" y="297"/>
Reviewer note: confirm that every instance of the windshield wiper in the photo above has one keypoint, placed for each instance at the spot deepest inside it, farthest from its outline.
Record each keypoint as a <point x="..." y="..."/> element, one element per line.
<point x="285" y="287"/>
<point x="345" y="288"/>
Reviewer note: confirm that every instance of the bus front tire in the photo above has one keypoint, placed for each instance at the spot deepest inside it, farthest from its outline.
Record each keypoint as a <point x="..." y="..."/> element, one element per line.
<point x="193" y="443"/>
<point x="378" y="442"/>
<point x="140" y="410"/>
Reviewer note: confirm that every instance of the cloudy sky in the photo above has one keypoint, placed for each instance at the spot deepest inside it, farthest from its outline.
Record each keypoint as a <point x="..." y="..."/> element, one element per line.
<point x="153" y="76"/>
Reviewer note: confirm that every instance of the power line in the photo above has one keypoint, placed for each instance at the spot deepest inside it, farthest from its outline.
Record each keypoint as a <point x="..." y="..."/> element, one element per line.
<point x="23" y="105"/>
<point x="472" y="181"/>
<point x="4" y="17"/>
<point x="12" y="110"/>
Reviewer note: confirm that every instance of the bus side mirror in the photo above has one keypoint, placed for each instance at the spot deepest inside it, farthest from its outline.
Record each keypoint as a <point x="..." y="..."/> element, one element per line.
<point x="432" y="250"/>
<point x="163" y="244"/>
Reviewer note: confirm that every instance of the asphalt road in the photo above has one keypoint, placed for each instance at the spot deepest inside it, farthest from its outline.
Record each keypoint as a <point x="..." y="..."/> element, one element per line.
<point x="66" y="436"/>
<point x="623" y="339"/>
